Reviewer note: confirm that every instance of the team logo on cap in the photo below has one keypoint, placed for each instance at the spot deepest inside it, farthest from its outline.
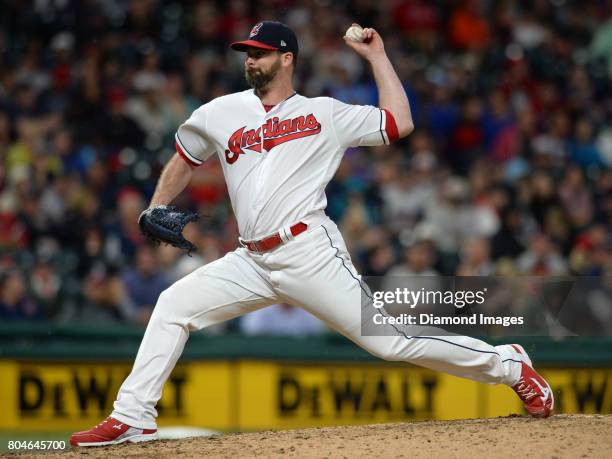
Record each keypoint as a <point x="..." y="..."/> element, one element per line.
<point x="255" y="30"/>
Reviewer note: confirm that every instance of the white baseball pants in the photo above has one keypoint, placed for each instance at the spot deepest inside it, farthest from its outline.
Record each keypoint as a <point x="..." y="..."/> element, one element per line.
<point x="313" y="271"/>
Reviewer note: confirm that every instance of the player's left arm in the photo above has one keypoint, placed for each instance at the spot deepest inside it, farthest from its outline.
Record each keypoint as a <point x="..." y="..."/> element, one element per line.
<point x="391" y="93"/>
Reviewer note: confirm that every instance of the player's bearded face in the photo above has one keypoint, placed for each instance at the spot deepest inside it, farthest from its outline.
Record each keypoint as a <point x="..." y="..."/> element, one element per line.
<point x="260" y="76"/>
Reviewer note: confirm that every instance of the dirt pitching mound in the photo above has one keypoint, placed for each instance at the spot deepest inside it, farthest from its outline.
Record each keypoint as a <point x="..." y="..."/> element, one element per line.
<point x="511" y="437"/>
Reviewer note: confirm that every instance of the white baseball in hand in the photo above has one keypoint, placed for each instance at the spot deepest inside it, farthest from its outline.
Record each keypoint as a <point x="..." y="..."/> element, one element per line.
<point x="355" y="33"/>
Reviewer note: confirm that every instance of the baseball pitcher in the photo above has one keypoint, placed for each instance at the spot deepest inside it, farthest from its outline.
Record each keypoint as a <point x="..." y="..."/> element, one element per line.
<point x="279" y="150"/>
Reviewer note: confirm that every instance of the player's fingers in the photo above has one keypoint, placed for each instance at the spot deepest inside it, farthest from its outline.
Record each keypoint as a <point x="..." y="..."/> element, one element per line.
<point x="367" y="35"/>
<point x="349" y="41"/>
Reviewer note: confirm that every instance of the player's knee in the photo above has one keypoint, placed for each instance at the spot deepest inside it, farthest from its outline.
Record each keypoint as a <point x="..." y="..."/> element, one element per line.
<point x="166" y="303"/>
<point x="164" y="298"/>
<point x="175" y="306"/>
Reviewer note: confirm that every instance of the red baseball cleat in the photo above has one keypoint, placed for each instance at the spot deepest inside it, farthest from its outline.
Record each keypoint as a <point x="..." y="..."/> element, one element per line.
<point x="112" y="432"/>
<point x="533" y="390"/>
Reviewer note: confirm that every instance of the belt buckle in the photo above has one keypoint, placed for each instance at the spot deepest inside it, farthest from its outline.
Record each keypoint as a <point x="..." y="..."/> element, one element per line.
<point x="246" y="244"/>
<point x="254" y="244"/>
<point x="257" y="246"/>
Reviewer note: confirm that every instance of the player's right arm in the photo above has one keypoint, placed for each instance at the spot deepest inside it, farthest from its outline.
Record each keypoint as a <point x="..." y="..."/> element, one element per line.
<point x="192" y="149"/>
<point x="174" y="178"/>
<point x="391" y="92"/>
<point x="366" y="125"/>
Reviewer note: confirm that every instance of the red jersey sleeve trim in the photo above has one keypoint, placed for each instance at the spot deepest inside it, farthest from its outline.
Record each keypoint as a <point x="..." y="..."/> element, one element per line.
<point x="182" y="154"/>
<point x="390" y="126"/>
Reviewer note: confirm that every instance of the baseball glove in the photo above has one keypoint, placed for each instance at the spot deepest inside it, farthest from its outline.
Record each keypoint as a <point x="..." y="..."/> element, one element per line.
<point x="165" y="224"/>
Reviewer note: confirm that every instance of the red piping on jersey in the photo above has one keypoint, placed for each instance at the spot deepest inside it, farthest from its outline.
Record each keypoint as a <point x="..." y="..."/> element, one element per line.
<point x="391" y="127"/>
<point x="182" y="154"/>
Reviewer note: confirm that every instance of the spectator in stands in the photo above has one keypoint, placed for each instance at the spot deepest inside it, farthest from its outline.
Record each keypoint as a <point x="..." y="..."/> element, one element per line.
<point x="145" y="107"/>
<point x="475" y="258"/>
<point x="47" y="288"/>
<point x="410" y="189"/>
<point x="281" y="319"/>
<point x="416" y="272"/>
<point x="124" y="232"/>
<point x="419" y="260"/>
<point x="541" y="258"/>
<point x="583" y="149"/>
<point x="543" y="196"/>
<point x="15" y="303"/>
<point x="116" y="128"/>
<point x="512" y="145"/>
<point x="507" y="241"/>
<point x="592" y="254"/>
<point x="451" y="211"/>
<point x="145" y="282"/>
<point x="105" y="300"/>
<point x="380" y="259"/>
<point x="576" y="198"/>
<point x="468" y="26"/>
<point x="176" y="106"/>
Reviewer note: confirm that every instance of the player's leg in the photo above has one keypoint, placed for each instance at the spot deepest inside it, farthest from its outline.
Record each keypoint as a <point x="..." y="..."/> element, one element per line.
<point x="214" y="293"/>
<point x="217" y="292"/>
<point x="320" y="277"/>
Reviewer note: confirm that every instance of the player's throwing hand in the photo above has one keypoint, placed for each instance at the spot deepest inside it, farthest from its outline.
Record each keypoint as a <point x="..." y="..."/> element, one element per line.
<point x="371" y="45"/>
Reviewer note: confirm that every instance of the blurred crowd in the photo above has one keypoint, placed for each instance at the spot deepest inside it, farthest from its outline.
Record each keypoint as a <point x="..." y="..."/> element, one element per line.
<point x="507" y="173"/>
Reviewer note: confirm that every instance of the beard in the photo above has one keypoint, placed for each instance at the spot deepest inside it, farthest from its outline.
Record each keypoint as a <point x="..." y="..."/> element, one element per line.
<point x="258" y="79"/>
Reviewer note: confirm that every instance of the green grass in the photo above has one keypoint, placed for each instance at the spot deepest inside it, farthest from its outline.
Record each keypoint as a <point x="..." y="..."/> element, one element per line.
<point x="6" y="436"/>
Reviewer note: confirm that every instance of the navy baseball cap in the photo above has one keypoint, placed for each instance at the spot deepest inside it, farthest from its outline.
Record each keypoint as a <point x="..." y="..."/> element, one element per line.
<point x="270" y="35"/>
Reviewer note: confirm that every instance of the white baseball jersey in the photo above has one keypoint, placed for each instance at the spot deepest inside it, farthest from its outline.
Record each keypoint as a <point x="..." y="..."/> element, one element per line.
<point x="278" y="163"/>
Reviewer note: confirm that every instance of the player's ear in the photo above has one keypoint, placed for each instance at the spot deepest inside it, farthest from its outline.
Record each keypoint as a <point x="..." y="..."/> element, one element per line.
<point x="287" y="59"/>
